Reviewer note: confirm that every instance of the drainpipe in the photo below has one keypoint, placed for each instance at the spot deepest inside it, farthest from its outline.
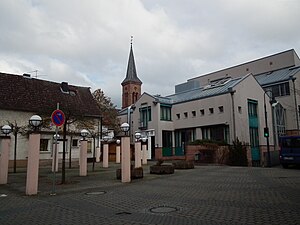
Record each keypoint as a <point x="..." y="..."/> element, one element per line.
<point x="295" y="99"/>
<point x="233" y="111"/>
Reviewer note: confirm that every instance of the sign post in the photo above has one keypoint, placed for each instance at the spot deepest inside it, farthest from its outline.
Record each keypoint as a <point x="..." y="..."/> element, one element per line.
<point x="58" y="119"/>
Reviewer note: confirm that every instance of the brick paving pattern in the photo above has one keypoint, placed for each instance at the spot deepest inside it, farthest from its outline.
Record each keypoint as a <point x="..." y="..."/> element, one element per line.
<point x="204" y="195"/>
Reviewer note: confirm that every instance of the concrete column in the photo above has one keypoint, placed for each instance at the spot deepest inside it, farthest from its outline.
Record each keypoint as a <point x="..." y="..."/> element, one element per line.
<point x="118" y="154"/>
<point x="32" y="179"/>
<point x="98" y="154"/>
<point x="55" y="157"/>
<point x="138" y="154"/>
<point x="149" y="148"/>
<point x="83" y="159"/>
<point x="105" y="155"/>
<point x="125" y="162"/>
<point x="144" y="154"/>
<point x="4" y="158"/>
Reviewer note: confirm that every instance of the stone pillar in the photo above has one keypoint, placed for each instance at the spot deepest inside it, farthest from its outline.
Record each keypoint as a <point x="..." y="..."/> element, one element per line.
<point x="149" y="155"/>
<point x="4" y="158"/>
<point x="144" y="154"/>
<point x="125" y="162"/>
<point x="83" y="159"/>
<point x="32" y="179"/>
<point x="118" y="154"/>
<point x="105" y="155"/>
<point x="98" y="154"/>
<point x="55" y="157"/>
<point x="137" y="153"/>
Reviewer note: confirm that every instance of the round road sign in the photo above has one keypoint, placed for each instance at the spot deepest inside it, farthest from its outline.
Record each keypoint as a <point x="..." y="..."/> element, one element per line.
<point x="58" y="117"/>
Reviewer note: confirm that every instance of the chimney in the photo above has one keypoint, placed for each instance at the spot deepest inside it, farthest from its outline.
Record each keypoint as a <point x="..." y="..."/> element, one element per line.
<point x="65" y="87"/>
<point x="26" y="75"/>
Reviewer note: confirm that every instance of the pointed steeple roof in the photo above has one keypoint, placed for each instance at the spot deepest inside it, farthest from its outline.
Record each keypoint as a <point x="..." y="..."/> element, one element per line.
<point x="131" y="75"/>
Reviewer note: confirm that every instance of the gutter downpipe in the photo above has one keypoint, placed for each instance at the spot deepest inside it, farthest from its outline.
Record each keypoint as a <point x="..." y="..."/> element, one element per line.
<point x="233" y="111"/>
<point x="295" y="99"/>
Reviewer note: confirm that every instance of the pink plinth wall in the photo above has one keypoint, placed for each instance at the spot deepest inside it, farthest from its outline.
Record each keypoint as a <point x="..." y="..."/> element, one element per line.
<point x="105" y="155"/>
<point x="98" y="154"/>
<point x="144" y="154"/>
<point x="137" y="154"/>
<point x="83" y="159"/>
<point x="32" y="179"/>
<point x="125" y="162"/>
<point x="5" y="146"/>
<point x="118" y="154"/>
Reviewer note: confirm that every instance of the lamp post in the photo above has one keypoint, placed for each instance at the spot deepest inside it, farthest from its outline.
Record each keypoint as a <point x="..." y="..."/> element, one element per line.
<point x="4" y="157"/>
<point x="266" y="129"/>
<point x="83" y="153"/>
<point x="105" y="151"/>
<point x="125" y="147"/>
<point x="54" y="153"/>
<point x="33" y="156"/>
<point x="118" y="152"/>
<point x="137" y="150"/>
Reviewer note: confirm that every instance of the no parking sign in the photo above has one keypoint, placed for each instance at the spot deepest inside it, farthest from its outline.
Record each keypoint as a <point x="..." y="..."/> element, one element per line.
<point x="58" y="117"/>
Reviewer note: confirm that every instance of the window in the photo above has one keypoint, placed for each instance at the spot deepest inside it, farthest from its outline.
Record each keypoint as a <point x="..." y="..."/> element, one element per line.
<point x="185" y="115"/>
<point x="178" y="115"/>
<point x="221" y="109"/>
<point x="279" y="89"/>
<point x="75" y="143"/>
<point x="194" y="113"/>
<point x="44" y="145"/>
<point x="240" y="109"/>
<point x="252" y="107"/>
<point x="165" y="112"/>
<point x="145" y="116"/>
<point x="202" y="112"/>
<point x="166" y="138"/>
<point x="211" y="110"/>
<point x="216" y="133"/>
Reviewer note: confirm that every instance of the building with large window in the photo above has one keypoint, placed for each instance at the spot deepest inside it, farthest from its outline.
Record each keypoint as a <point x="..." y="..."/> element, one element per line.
<point x="222" y="106"/>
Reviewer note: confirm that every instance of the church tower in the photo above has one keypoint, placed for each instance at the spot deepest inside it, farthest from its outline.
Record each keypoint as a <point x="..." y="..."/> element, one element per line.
<point x="131" y="85"/>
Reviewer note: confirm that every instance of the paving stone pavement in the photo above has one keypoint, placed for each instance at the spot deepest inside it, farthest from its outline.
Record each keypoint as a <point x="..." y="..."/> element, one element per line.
<point x="204" y="195"/>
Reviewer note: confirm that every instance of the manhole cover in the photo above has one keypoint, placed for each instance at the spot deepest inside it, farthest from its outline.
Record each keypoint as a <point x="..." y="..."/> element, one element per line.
<point x="123" y="213"/>
<point x="163" y="209"/>
<point x="96" y="193"/>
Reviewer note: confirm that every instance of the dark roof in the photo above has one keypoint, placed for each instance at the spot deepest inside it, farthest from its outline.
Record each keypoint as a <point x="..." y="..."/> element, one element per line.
<point x="131" y="75"/>
<point x="273" y="77"/>
<point x="22" y="93"/>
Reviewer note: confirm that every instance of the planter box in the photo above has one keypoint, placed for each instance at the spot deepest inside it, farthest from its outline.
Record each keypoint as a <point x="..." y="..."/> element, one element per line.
<point x="184" y="165"/>
<point x="162" y="169"/>
<point x="136" y="173"/>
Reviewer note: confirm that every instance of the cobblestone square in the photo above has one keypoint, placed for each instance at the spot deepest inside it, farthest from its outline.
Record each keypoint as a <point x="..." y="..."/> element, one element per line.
<point x="204" y="195"/>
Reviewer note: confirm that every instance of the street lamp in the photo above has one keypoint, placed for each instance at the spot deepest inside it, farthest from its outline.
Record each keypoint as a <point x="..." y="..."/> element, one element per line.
<point x="137" y="136"/>
<point x="35" y="121"/>
<point x="6" y="129"/>
<point x="266" y="129"/>
<point x="84" y="133"/>
<point x="125" y="127"/>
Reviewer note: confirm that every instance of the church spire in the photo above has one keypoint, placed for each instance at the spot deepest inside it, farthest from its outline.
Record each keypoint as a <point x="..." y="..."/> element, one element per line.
<point x="131" y="85"/>
<point x="131" y="75"/>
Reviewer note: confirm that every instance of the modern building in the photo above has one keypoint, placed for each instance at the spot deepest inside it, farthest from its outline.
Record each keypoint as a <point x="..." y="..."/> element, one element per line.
<point x="23" y="96"/>
<point x="222" y="106"/>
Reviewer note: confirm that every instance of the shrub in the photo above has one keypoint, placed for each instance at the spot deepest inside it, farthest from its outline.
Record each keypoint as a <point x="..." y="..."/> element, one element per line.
<point x="237" y="154"/>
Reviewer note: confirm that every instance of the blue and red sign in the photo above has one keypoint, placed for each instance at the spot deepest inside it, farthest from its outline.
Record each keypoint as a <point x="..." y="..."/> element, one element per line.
<point x="58" y="117"/>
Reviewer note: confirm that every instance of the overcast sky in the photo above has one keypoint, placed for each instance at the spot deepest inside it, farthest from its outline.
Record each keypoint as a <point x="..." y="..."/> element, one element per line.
<point x="87" y="42"/>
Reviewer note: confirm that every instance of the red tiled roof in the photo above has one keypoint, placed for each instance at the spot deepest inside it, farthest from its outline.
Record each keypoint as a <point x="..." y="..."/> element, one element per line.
<point x="29" y="94"/>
